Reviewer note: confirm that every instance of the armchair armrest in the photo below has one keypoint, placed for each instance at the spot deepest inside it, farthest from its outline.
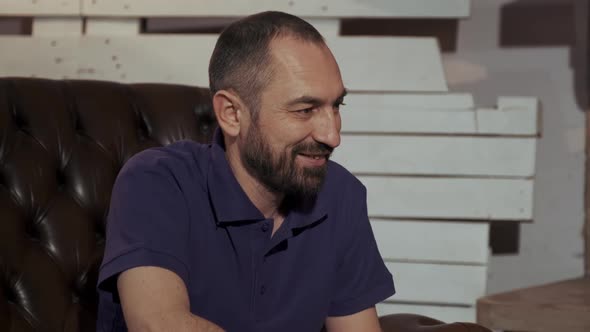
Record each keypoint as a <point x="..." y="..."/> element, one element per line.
<point x="418" y="323"/>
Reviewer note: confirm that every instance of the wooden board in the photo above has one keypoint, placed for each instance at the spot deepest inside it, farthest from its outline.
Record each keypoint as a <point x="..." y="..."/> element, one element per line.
<point x="113" y="26"/>
<point x="184" y="60"/>
<point x="57" y="26"/>
<point x="463" y="156"/>
<point x="432" y="241"/>
<point x="522" y="116"/>
<point x="46" y="57"/>
<point x="321" y="8"/>
<point x="449" y="198"/>
<point x="412" y="101"/>
<point x="449" y="314"/>
<point x="40" y="7"/>
<point x="559" y="306"/>
<point x="328" y="27"/>
<point x="438" y="114"/>
<point x="394" y="64"/>
<point x="437" y="283"/>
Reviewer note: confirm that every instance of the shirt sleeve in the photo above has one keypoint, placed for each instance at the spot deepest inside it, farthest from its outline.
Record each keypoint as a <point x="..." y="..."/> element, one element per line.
<point x="362" y="279"/>
<point x="148" y="223"/>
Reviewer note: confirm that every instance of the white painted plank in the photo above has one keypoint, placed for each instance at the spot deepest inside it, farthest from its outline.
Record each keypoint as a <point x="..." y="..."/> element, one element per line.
<point x="40" y="7"/>
<point x="437" y="283"/>
<point x="389" y="63"/>
<point x="434" y="114"/>
<point x="112" y="26"/>
<point x="520" y="114"/>
<point x="449" y="198"/>
<point x="57" y="26"/>
<point x="448" y="314"/>
<point x="412" y="101"/>
<point x="328" y="27"/>
<point x="321" y="8"/>
<point x="520" y="121"/>
<point x="164" y="59"/>
<point x="184" y="59"/>
<point x="447" y="155"/>
<point x="427" y="241"/>
<point x="41" y="57"/>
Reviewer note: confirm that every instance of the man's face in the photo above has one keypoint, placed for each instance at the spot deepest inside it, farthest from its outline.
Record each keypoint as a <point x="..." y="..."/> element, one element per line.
<point x="287" y="146"/>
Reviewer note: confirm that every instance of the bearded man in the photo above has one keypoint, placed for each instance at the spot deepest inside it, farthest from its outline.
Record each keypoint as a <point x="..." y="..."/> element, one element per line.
<point x="257" y="231"/>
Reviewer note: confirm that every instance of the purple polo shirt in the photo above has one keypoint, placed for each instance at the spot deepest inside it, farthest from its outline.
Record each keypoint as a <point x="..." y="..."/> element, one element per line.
<point x="181" y="208"/>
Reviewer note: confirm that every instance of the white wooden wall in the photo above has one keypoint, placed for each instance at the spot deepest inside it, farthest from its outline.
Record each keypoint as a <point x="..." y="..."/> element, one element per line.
<point x="437" y="167"/>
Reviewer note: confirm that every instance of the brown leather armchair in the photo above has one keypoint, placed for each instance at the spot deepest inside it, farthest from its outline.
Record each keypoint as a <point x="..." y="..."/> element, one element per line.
<point x="61" y="146"/>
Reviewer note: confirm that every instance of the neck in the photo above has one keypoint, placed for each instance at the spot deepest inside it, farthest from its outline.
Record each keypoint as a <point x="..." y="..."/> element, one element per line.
<point x="266" y="201"/>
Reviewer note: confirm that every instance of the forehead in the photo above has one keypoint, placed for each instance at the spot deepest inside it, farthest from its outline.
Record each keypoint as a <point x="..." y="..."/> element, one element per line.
<point x="302" y="68"/>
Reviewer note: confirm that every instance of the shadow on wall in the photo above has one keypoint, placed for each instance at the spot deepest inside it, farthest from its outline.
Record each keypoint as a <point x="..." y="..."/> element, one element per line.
<point x="444" y="30"/>
<point x="546" y="23"/>
<point x="16" y="25"/>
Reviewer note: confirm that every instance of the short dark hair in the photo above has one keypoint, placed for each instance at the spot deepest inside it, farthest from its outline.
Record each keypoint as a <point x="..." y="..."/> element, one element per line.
<point x="241" y="59"/>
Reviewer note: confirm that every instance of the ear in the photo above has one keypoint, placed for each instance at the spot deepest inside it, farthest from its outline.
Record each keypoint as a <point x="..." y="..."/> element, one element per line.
<point x="228" y="111"/>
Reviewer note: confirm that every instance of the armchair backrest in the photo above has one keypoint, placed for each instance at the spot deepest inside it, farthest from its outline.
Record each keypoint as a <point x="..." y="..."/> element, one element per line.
<point x="62" y="144"/>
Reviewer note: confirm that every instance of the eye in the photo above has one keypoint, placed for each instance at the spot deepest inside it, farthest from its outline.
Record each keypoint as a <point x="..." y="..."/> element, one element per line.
<point x="306" y="110"/>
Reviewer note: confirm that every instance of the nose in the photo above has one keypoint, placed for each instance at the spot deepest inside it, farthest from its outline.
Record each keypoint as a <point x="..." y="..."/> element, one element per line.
<point x="327" y="127"/>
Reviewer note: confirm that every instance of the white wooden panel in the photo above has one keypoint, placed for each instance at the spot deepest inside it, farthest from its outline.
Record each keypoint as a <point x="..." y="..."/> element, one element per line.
<point x="450" y="242"/>
<point x="449" y="198"/>
<point x="436" y="114"/>
<point x="330" y="8"/>
<point x="184" y="59"/>
<point x="446" y="314"/>
<point x="42" y="57"/>
<point x="411" y="101"/>
<point x="473" y="156"/>
<point x="57" y="26"/>
<point x="165" y="59"/>
<point x="437" y="283"/>
<point x="389" y="64"/>
<point x="328" y="27"/>
<point x="112" y="26"/>
<point x="520" y="115"/>
<point x="513" y="122"/>
<point x="39" y="7"/>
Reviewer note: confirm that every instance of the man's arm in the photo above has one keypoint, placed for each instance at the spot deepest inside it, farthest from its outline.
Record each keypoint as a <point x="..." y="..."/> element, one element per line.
<point x="156" y="299"/>
<point x="366" y="321"/>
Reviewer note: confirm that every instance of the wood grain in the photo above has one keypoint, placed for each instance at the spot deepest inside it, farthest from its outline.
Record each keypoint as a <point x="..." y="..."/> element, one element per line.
<point x="560" y="306"/>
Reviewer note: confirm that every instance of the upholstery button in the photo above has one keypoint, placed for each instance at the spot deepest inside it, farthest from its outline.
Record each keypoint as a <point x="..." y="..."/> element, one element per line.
<point x="262" y="290"/>
<point x="265" y="226"/>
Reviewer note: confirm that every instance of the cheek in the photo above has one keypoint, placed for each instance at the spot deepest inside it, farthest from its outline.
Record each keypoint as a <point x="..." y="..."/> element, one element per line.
<point x="287" y="137"/>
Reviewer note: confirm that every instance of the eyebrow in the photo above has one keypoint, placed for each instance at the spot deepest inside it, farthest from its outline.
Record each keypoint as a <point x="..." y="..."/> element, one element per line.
<point x="313" y="100"/>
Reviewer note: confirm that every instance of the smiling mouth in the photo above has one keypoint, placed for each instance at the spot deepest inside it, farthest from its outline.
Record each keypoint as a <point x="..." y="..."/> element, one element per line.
<point x="314" y="156"/>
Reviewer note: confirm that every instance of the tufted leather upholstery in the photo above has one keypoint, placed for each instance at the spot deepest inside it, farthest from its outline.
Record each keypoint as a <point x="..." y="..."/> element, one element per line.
<point x="62" y="144"/>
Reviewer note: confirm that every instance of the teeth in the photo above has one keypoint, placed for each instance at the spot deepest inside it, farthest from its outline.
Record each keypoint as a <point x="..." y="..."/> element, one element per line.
<point x="316" y="157"/>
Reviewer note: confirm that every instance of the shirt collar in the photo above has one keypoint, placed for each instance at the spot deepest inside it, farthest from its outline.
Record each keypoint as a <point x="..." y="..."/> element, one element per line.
<point x="231" y="204"/>
<point x="310" y="212"/>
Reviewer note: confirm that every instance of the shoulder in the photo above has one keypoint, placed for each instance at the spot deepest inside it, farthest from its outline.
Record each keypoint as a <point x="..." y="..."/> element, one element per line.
<point x="179" y="162"/>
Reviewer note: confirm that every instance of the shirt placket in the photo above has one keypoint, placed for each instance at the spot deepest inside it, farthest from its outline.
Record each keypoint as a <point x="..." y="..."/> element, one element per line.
<point x="263" y="271"/>
<point x="260" y="239"/>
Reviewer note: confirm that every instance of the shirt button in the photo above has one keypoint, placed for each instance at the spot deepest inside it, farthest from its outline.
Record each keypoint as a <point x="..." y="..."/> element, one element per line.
<point x="262" y="290"/>
<point x="265" y="227"/>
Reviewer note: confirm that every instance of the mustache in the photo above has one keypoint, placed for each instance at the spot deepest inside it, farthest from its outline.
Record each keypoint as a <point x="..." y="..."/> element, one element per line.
<point x="315" y="148"/>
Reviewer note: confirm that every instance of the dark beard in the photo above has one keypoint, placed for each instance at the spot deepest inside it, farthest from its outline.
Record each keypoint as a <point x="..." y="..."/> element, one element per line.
<point x="280" y="174"/>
